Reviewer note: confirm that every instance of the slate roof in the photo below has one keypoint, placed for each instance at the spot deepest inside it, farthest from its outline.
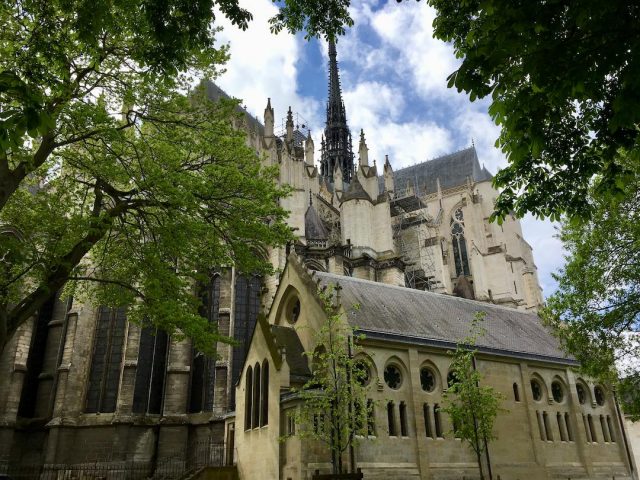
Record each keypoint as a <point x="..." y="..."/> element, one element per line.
<point x="452" y="170"/>
<point x="313" y="227"/>
<point x="389" y="312"/>
<point x="294" y="351"/>
<point x="214" y="92"/>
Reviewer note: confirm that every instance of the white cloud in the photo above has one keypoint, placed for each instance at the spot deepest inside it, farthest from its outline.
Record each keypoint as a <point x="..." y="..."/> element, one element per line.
<point x="547" y="250"/>
<point x="264" y="65"/>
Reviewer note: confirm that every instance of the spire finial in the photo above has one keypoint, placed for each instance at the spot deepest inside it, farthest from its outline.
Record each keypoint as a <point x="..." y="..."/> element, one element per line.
<point x="338" y="150"/>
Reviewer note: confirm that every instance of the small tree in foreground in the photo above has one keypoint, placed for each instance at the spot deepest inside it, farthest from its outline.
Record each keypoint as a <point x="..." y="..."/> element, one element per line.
<point x="334" y="401"/>
<point x="472" y="408"/>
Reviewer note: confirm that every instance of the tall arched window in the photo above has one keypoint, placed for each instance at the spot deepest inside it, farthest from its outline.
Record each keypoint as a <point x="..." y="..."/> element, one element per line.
<point x="264" y="415"/>
<point x="256" y="396"/>
<point x="460" y="258"/>
<point x="248" y="398"/>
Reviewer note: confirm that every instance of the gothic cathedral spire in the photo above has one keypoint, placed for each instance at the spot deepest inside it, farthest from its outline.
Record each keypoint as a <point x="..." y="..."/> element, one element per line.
<point x="337" y="150"/>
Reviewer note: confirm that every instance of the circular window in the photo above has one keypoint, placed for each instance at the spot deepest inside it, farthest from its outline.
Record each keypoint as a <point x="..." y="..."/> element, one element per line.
<point x="293" y="310"/>
<point x="361" y="373"/>
<point x="536" y="390"/>
<point x="427" y="380"/>
<point x="582" y="394"/>
<point x="557" y="392"/>
<point x="392" y="376"/>
<point x="599" y="394"/>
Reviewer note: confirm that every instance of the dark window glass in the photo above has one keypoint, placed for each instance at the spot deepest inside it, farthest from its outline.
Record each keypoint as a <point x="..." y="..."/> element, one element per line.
<point x="599" y="394"/>
<point x="247" y="306"/>
<point x="427" y="420"/>
<point x="557" y="391"/>
<point x="255" y="422"/>
<point x="516" y="393"/>
<point x="392" y="376"/>
<point x="404" y="431"/>
<point x="203" y="368"/>
<point x="438" y="420"/>
<point x="248" y="398"/>
<point x="427" y="380"/>
<point x="536" y="390"/>
<point x="151" y="370"/>
<point x="264" y="416"/>
<point x="582" y="394"/>
<point x="391" y="419"/>
<point x="104" y="378"/>
<point x="35" y="361"/>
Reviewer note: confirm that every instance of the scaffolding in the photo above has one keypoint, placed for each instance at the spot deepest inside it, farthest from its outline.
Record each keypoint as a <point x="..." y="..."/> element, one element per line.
<point x="415" y="234"/>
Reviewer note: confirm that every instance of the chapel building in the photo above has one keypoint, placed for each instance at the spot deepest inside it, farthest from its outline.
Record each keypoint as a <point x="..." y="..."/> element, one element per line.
<point x="80" y="384"/>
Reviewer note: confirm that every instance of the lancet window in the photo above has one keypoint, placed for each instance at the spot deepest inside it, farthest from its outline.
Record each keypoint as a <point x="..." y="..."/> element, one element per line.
<point x="460" y="256"/>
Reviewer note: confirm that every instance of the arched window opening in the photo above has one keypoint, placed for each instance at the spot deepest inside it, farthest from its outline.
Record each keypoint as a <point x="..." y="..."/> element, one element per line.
<point x="587" y="430"/>
<point x="561" y="427"/>
<point x="391" y="419"/>
<point x="153" y="353"/>
<point x="536" y="390"/>
<point x="264" y="414"/>
<point x="460" y="256"/>
<point x="438" y="421"/>
<point x="567" y="422"/>
<point x="427" y="379"/>
<point x="248" y="398"/>
<point x="612" y="432"/>
<point x="203" y="368"/>
<point x="247" y="307"/>
<point x="605" y="429"/>
<point x="255" y="422"/>
<point x="371" y="418"/>
<point x="393" y="377"/>
<point x="557" y="391"/>
<point x="404" y="431"/>
<point x="582" y="394"/>
<point x="427" y="420"/>
<point x="592" y="429"/>
<point x="516" y="393"/>
<point x="598" y="393"/>
<point x="541" y="428"/>
<point x="104" y="379"/>
<point x="547" y="426"/>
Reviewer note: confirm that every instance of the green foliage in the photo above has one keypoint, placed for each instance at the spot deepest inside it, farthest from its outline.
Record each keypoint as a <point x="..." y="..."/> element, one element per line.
<point x="334" y="406"/>
<point x="596" y="310"/>
<point x="471" y="407"/>
<point x="317" y="18"/>
<point x="102" y="157"/>
<point x="563" y="78"/>
<point x="138" y="216"/>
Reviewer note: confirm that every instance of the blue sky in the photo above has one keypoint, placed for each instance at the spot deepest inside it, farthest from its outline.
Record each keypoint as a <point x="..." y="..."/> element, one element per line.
<point x="394" y="86"/>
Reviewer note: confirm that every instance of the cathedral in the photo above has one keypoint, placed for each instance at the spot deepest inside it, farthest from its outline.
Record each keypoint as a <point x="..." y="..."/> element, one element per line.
<point x="414" y="247"/>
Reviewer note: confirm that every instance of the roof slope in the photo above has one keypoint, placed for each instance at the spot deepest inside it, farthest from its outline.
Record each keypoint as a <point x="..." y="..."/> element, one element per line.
<point x="452" y="170"/>
<point x="391" y="312"/>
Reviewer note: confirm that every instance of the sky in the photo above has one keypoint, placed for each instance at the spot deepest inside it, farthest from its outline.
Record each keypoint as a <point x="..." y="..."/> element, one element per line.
<point x="394" y="85"/>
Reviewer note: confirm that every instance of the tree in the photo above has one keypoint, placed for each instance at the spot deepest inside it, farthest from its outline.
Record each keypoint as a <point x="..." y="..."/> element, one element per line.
<point x="471" y="407"/>
<point x="596" y="310"/>
<point x="334" y="406"/>
<point x="563" y="79"/>
<point x="126" y="169"/>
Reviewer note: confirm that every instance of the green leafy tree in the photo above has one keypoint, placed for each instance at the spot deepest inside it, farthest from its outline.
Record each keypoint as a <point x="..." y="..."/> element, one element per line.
<point x="563" y="78"/>
<point x="101" y="157"/>
<point x="596" y="310"/>
<point x="140" y="217"/>
<point x="334" y="407"/>
<point x="471" y="407"/>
